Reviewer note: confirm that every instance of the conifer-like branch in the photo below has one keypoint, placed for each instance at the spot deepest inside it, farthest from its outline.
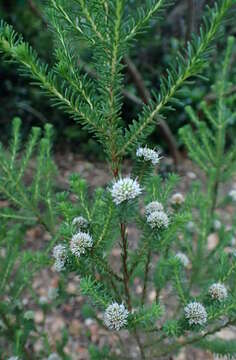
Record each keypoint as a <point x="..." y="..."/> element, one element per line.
<point x="144" y="15"/>
<point x="14" y="47"/>
<point x="187" y="65"/>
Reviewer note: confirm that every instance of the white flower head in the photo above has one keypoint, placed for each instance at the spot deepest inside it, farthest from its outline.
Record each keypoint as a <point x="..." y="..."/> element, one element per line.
<point x="149" y="154"/>
<point x="232" y="194"/>
<point x="158" y="220"/>
<point x="177" y="199"/>
<point x="80" y="242"/>
<point x="125" y="189"/>
<point x="190" y="226"/>
<point x="195" y="313"/>
<point x="116" y="316"/>
<point x="218" y="292"/>
<point x="43" y="300"/>
<point x="54" y="356"/>
<point x="184" y="260"/>
<point x="217" y="224"/>
<point x="13" y="358"/>
<point x="80" y="222"/>
<point x="1" y="325"/>
<point x="233" y="241"/>
<point x="60" y="255"/>
<point x="152" y="207"/>
<point x="29" y="315"/>
<point x="52" y="293"/>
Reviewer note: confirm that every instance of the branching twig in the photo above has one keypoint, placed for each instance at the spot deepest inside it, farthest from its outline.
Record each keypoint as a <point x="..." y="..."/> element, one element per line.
<point x="36" y="12"/>
<point x="191" y="20"/>
<point x="193" y="339"/>
<point x="124" y="261"/>
<point x="147" y="267"/>
<point x="213" y="97"/>
<point x="146" y="97"/>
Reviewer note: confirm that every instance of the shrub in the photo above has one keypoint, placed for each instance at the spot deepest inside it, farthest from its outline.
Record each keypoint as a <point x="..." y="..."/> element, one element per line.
<point x="172" y="251"/>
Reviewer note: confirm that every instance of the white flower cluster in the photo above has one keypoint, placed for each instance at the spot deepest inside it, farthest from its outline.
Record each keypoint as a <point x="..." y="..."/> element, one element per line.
<point x="184" y="260"/>
<point x="53" y="293"/>
<point x="195" y="313"/>
<point x="233" y="241"/>
<point x="149" y="154"/>
<point x="29" y="315"/>
<point x="43" y="300"/>
<point x="156" y="216"/>
<point x="14" y="358"/>
<point x="190" y="226"/>
<point x="158" y="220"/>
<point x="218" y="292"/>
<point x="80" y="242"/>
<point x="153" y="207"/>
<point x="60" y="256"/>
<point x="54" y="356"/>
<point x="125" y="189"/>
<point x="177" y="199"/>
<point x="80" y="222"/>
<point x="116" y="316"/>
<point x="217" y="224"/>
<point x="232" y="194"/>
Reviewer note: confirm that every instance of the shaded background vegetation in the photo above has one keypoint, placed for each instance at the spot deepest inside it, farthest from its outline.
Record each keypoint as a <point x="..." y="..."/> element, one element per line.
<point x="151" y="57"/>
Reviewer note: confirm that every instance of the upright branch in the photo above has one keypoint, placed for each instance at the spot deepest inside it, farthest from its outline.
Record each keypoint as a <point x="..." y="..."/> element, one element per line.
<point x="124" y="242"/>
<point x="86" y="225"/>
<point x="146" y="97"/>
<point x="187" y="65"/>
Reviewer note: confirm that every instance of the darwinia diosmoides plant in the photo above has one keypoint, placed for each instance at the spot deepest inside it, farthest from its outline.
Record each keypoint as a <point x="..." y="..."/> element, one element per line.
<point x="170" y="257"/>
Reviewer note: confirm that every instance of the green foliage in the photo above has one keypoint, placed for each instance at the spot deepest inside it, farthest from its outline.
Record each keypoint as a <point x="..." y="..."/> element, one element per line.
<point x="95" y="291"/>
<point x="146" y="316"/>
<point x="26" y="201"/>
<point x="187" y="65"/>
<point x="220" y="347"/>
<point x="97" y="354"/>
<point x="87" y="227"/>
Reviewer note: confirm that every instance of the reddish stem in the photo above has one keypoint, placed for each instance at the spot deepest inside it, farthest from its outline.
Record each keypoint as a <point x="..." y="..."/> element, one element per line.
<point x="125" y="268"/>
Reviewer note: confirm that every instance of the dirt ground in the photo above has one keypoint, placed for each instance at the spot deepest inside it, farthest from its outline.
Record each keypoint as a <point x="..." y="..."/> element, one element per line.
<point x="84" y="331"/>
